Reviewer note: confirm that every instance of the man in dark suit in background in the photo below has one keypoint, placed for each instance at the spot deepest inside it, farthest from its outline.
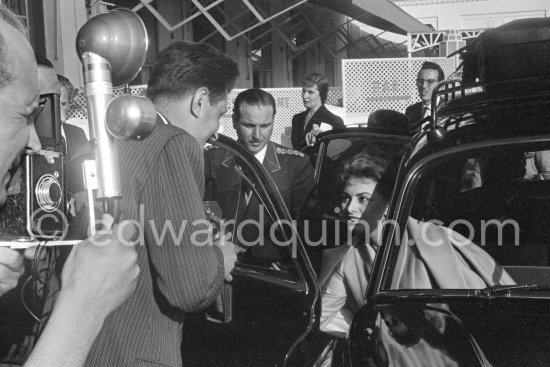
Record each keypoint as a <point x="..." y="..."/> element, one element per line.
<point x="316" y="118"/>
<point x="183" y="266"/>
<point x="429" y="75"/>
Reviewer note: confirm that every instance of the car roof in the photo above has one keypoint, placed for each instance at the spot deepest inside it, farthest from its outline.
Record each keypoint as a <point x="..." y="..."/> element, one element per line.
<point x="511" y="110"/>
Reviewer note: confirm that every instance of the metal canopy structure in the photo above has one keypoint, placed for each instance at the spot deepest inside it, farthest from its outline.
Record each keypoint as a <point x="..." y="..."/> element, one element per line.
<point x="231" y="18"/>
<point x="259" y="22"/>
<point x="381" y="14"/>
<point x="425" y="40"/>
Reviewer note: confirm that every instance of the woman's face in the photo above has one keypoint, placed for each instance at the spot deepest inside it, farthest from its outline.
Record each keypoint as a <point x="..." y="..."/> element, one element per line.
<point x="355" y="198"/>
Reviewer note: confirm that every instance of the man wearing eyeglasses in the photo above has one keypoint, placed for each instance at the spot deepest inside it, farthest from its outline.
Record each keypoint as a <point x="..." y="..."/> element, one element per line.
<point x="429" y="75"/>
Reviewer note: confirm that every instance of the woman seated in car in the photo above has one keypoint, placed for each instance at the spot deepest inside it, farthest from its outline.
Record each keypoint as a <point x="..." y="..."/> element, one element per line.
<point x="454" y="262"/>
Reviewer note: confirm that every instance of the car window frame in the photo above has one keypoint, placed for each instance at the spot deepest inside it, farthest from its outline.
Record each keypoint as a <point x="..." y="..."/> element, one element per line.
<point x="401" y="206"/>
<point x="357" y="132"/>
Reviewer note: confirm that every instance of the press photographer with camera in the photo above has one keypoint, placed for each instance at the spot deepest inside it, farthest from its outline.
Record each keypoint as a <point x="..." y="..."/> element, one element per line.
<point x="96" y="279"/>
<point x="162" y="180"/>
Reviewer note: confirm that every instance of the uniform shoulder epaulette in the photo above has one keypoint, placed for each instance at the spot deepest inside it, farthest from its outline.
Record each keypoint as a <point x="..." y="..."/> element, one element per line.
<point x="210" y="147"/>
<point x="289" y="151"/>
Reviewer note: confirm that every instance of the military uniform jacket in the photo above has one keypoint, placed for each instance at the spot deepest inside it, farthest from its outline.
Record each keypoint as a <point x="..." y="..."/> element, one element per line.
<point x="290" y="170"/>
<point x="321" y="115"/>
<point x="293" y="175"/>
<point x="162" y="185"/>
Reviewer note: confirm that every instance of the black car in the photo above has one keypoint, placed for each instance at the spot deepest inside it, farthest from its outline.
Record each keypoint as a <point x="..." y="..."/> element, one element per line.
<point x="480" y="171"/>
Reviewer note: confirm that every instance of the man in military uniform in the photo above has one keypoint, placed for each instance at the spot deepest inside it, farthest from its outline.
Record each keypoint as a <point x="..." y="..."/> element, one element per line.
<point x="253" y="116"/>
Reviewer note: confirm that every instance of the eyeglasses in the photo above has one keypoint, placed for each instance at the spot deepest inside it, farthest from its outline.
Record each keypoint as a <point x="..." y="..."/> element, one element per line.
<point x="430" y="82"/>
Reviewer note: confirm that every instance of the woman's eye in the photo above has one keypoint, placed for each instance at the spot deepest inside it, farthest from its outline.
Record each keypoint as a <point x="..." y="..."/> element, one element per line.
<point x="363" y="199"/>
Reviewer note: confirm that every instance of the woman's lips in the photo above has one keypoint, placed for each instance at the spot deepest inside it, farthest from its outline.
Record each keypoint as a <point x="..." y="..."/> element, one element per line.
<point x="353" y="220"/>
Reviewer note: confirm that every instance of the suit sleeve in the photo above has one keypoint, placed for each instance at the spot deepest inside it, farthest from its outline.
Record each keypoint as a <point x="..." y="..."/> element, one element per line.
<point x="408" y="113"/>
<point x="333" y="320"/>
<point x="338" y="122"/>
<point x="210" y="178"/>
<point x="187" y="270"/>
<point x="295" y="134"/>
<point x="302" y="185"/>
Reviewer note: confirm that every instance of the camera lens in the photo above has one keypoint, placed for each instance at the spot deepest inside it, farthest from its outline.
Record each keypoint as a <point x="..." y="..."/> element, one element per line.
<point x="48" y="193"/>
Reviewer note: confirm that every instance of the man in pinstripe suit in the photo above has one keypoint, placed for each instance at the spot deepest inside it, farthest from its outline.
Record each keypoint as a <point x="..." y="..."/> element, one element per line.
<point x="182" y="267"/>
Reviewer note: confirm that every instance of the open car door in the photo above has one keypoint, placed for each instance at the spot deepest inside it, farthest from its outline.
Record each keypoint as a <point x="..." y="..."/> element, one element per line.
<point x="268" y="310"/>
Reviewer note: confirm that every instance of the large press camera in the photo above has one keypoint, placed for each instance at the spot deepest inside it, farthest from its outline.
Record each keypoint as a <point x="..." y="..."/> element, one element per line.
<point x="36" y="206"/>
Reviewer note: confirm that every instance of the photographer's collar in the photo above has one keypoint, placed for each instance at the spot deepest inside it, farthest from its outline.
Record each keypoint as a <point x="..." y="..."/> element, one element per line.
<point x="164" y="119"/>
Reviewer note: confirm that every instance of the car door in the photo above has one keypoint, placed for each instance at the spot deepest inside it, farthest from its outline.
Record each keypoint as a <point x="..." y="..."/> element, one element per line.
<point x="463" y="279"/>
<point x="269" y="308"/>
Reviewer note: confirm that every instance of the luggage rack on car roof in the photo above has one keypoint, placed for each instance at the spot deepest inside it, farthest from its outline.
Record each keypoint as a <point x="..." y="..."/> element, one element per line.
<point x="454" y="104"/>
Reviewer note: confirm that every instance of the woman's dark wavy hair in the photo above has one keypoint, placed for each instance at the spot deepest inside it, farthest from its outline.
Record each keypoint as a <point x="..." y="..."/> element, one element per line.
<point x="183" y="67"/>
<point x="366" y="166"/>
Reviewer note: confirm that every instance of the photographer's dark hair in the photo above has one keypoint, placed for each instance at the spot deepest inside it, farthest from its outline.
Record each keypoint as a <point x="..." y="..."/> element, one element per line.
<point x="252" y="97"/>
<point x="321" y="82"/>
<point x="428" y="65"/>
<point x="183" y="67"/>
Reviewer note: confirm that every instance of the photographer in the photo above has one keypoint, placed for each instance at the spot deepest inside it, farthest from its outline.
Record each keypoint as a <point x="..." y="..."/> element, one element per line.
<point x="96" y="279"/>
<point x="162" y="187"/>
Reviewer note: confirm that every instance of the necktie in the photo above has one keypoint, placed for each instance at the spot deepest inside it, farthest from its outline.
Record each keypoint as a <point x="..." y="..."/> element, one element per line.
<point x="425" y="112"/>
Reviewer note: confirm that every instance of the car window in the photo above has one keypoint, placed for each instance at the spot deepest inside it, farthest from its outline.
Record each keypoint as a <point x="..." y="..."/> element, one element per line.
<point x="476" y="220"/>
<point x="338" y="151"/>
<point x="249" y="208"/>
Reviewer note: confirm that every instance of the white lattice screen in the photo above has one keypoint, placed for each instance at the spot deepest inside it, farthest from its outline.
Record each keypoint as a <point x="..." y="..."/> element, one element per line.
<point x="372" y="84"/>
<point x="288" y="100"/>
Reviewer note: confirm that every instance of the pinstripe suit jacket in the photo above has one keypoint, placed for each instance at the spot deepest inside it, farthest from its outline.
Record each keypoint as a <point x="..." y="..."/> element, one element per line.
<point x="163" y="183"/>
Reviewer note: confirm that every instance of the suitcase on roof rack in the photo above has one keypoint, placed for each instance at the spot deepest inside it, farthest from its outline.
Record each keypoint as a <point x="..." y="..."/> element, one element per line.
<point x="516" y="50"/>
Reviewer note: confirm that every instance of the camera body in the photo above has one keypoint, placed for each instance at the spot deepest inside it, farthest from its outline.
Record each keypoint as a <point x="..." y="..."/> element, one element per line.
<point x="37" y="204"/>
<point x="45" y="195"/>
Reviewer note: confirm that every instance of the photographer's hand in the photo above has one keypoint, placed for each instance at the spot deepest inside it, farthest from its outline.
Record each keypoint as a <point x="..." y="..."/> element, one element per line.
<point x="229" y="251"/>
<point x="11" y="268"/>
<point x="96" y="279"/>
